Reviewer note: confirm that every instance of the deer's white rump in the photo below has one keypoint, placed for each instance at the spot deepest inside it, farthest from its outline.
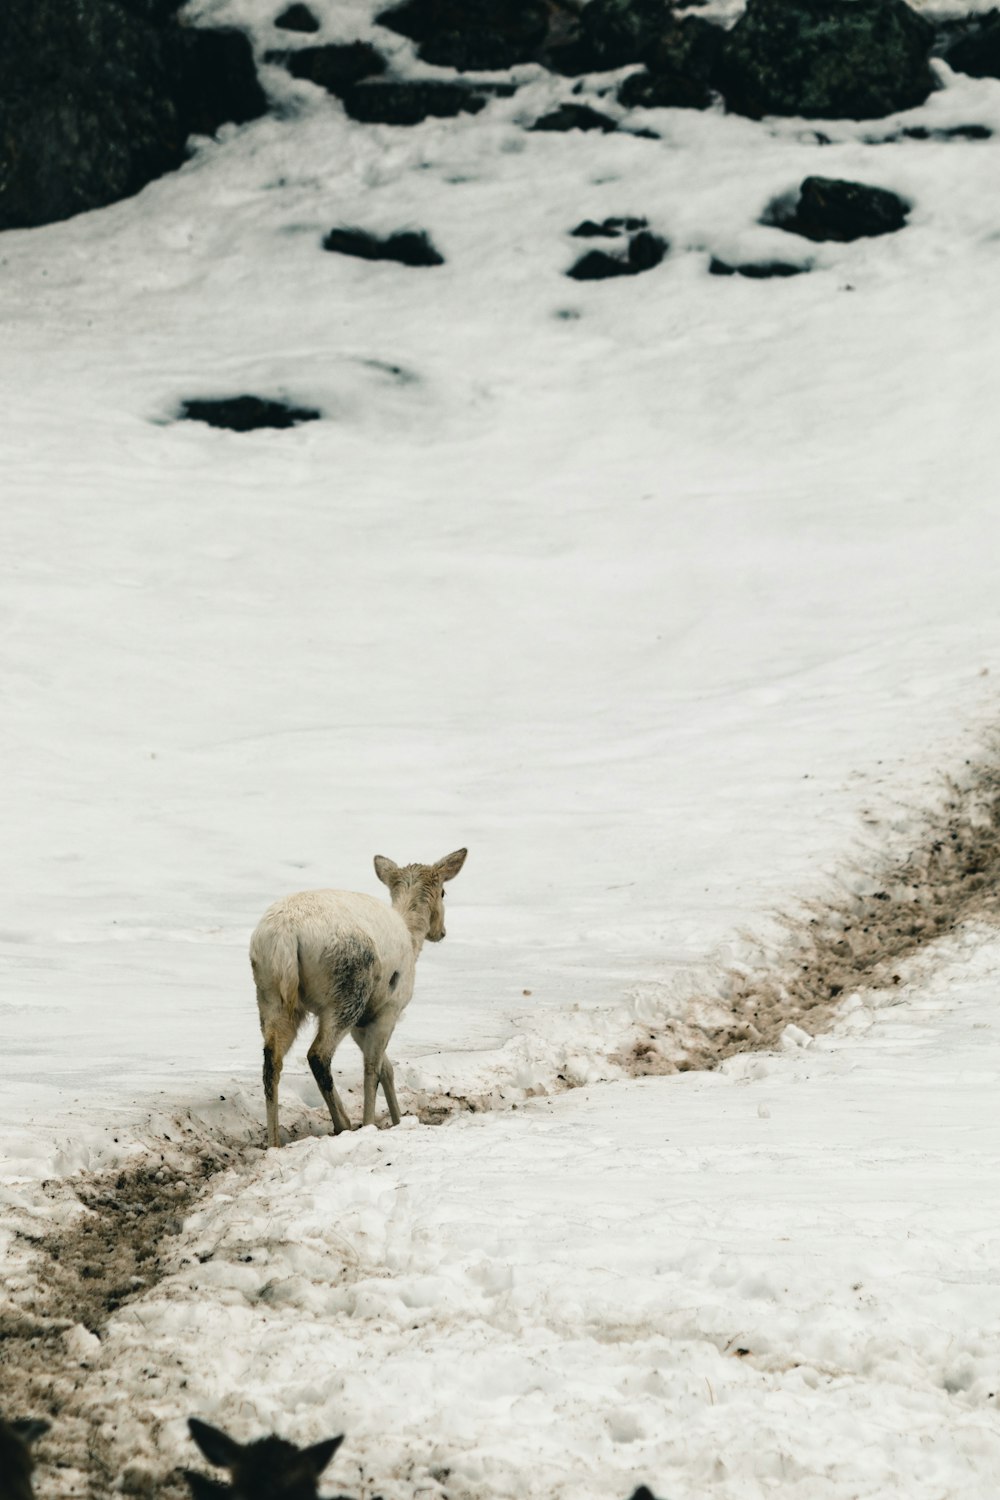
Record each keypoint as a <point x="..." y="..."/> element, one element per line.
<point x="348" y="960"/>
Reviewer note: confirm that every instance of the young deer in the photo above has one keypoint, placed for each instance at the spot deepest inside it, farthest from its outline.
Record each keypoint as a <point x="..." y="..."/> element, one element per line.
<point x="348" y="960"/>
<point x="269" y="1469"/>
<point x="16" y="1462"/>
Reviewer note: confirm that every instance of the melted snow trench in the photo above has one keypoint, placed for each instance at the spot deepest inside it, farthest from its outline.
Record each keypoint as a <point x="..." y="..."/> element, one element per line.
<point x="886" y="911"/>
<point x="114" y="1228"/>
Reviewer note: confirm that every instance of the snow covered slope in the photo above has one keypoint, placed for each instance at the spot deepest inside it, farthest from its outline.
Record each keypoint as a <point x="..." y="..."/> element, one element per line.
<point x="655" y="593"/>
<point x="641" y="589"/>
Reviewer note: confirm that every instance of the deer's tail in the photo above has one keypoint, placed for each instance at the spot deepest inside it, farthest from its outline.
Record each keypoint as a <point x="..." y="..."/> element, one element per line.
<point x="274" y="957"/>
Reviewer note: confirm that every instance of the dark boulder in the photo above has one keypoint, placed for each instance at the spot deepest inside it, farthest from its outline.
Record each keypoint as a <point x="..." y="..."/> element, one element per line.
<point x="648" y="90"/>
<point x="645" y="250"/>
<point x="575" y="117"/>
<point x="408" y="103"/>
<point x="826" y="208"/>
<point x="926" y="133"/>
<point x="832" y="59"/>
<point x="98" y="99"/>
<point x="471" y="34"/>
<point x="608" y="228"/>
<point x="246" y="413"/>
<point x="217" y="81"/>
<point x="335" y="66"/>
<point x="613" y="33"/>
<point x="409" y="247"/>
<point x="682" y="69"/>
<point x="973" y="46"/>
<point x="948" y="133"/>
<point x="755" y="270"/>
<point x="297" y="18"/>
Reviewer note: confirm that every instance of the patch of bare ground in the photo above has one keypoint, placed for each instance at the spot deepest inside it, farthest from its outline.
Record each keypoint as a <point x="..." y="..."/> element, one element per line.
<point x="89" y="1258"/>
<point x="886" y="913"/>
<point x="436" y="1109"/>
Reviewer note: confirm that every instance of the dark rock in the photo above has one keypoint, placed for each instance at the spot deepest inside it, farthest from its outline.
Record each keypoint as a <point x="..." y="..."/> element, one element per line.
<point x="218" y="81"/>
<point x="297" y="17"/>
<point x="836" y="59"/>
<point x="663" y="91"/>
<point x="598" y="265"/>
<point x="471" y="34"/>
<point x="682" y="69"/>
<point x="608" y="228"/>
<point x="613" y="33"/>
<point x="409" y="103"/>
<point x="575" y="117"/>
<point x="943" y="133"/>
<point x="246" y="413"/>
<point x="645" y="251"/>
<point x="756" y="270"/>
<point x="336" y="66"/>
<point x="829" y="209"/>
<point x="97" y="100"/>
<point x="409" y="247"/>
<point x="411" y="19"/>
<point x="974" y="46"/>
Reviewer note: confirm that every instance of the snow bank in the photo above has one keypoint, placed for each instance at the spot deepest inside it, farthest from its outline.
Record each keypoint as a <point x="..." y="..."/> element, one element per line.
<point x="780" y="1277"/>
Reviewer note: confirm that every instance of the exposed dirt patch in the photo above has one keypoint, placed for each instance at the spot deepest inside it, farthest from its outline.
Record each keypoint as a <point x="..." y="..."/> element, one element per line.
<point x="106" y="1253"/>
<point x="885" y="913"/>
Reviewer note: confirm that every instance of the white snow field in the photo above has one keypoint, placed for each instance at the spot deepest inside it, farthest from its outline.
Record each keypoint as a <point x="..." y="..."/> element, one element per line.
<point x="662" y="595"/>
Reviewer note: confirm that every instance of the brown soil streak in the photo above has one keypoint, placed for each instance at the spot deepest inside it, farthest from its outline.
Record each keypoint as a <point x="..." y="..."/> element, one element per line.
<point x="855" y="939"/>
<point x="110" y="1256"/>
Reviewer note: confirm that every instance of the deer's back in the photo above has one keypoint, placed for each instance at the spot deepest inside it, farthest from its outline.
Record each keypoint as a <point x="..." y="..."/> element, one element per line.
<point x="344" y="940"/>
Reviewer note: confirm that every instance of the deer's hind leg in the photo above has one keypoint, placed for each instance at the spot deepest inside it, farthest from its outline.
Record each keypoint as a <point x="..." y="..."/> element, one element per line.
<point x="328" y="1037"/>
<point x="387" y="1079"/>
<point x="373" y="1039"/>
<point x="279" y="1031"/>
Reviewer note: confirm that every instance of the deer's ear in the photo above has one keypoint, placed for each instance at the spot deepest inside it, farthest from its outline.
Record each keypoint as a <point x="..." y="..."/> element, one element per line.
<point x="449" y="867"/>
<point x="320" y="1454"/>
<point x="30" y="1428"/>
<point x="216" y="1446"/>
<point x="386" y="870"/>
<point x="203" y="1488"/>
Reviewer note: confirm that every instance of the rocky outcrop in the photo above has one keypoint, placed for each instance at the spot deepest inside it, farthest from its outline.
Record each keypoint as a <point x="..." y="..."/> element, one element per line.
<point x="926" y="133"/>
<point x="973" y="46"/>
<point x="471" y="34"/>
<point x="682" y="69"/>
<point x="575" y="117"/>
<point x="408" y="103"/>
<point x="246" y="413"/>
<point x="297" y="18"/>
<point x="98" y="99"/>
<point x="826" y="59"/>
<point x="608" y="228"/>
<point x="755" y="270"/>
<point x="334" y="67"/>
<point x="410" y="247"/>
<point x="613" y="33"/>
<point x="827" y="208"/>
<point x="642" y="252"/>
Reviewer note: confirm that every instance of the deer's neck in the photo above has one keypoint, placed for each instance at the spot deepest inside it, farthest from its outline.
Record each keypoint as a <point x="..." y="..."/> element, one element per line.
<point x="414" y="916"/>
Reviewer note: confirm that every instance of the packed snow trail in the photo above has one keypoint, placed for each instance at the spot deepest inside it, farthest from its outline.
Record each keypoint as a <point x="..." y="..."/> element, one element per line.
<point x="778" y="1277"/>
